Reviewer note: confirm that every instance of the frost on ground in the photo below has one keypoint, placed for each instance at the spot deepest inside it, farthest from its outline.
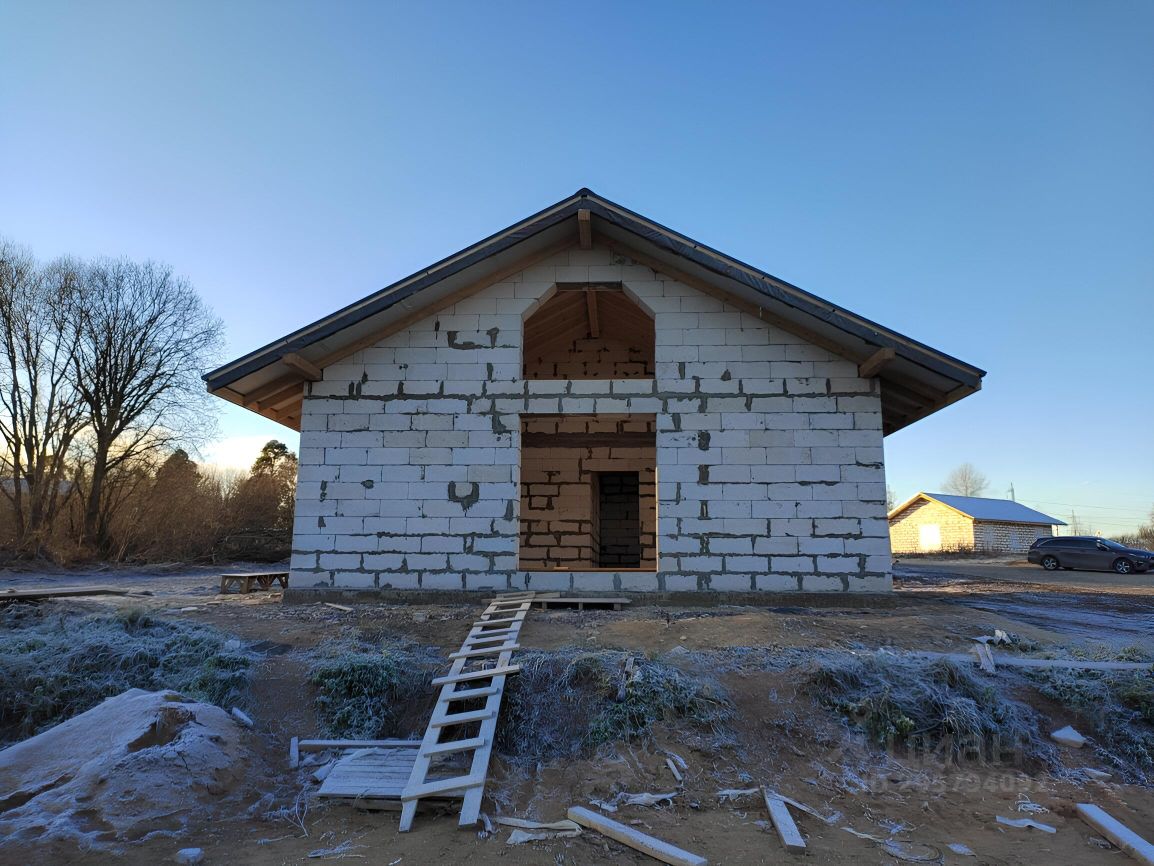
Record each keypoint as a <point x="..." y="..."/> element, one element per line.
<point x="137" y="765"/>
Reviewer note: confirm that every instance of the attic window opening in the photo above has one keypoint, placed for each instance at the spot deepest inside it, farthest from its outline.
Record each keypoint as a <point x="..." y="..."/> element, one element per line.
<point x="589" y="331"/>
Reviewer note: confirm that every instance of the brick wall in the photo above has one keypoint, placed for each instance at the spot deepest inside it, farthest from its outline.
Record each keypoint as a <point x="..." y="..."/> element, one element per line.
<point x="559" y="519"/>
<point x="769" y="449"/>
<point x="997" y="537"/>
<point x="591" y="358"/>
<point x="956" y="531"/>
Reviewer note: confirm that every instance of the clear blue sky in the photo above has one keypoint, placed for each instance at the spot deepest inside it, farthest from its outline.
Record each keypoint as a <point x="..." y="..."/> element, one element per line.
<point x="978" y="175"/>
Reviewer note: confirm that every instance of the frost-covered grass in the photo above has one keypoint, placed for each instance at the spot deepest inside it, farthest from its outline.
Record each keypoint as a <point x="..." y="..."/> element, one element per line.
<point x="565" y="703"/>
<point x="57" y="662"/>
<point x="1118" y="708"/>
<point x="937" y="706"/>
<point x="363" y="690"/>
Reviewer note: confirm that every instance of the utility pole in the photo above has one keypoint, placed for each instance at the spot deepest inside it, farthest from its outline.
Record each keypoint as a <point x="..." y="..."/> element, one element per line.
<point x="1012" y="497"/>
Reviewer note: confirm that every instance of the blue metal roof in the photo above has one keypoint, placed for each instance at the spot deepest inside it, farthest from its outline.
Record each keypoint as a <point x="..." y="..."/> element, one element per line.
<point x="1003" y="510"/>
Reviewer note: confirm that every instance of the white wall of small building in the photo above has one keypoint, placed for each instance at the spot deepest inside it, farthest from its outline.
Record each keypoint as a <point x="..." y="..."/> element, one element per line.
<point x="769" y="450"/>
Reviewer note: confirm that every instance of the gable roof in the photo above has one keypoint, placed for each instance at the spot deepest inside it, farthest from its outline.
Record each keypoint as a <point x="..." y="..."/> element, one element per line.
<point x="979" y="508"/>
<point x="916" y="379"/>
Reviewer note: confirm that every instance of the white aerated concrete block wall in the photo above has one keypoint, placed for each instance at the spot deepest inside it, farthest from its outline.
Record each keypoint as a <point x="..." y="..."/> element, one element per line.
<point x="769" y="450"/>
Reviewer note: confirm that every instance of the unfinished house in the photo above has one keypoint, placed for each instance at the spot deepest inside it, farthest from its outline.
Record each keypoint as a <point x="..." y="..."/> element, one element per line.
<point x="591" y="401"/>
<point x="941" y="522"/>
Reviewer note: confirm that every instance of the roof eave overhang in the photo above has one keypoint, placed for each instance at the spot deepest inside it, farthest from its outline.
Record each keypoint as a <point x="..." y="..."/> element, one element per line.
<point x="916" y="379"/>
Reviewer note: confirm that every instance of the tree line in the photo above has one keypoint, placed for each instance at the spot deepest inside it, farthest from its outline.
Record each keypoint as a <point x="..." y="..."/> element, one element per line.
<point x="101" y="403"/>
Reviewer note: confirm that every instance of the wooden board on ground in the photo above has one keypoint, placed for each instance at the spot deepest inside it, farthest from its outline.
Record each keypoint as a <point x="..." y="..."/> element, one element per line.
<point x="638" y="841"/>
<point x="370" y="773"/>
<point x="60" y="592"/>
<point x="783" y="823"/>
<point x="1117" y="832"/>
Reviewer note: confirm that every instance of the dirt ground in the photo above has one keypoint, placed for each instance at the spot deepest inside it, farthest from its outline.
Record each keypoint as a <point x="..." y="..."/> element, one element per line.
<point x="781" y="740"/>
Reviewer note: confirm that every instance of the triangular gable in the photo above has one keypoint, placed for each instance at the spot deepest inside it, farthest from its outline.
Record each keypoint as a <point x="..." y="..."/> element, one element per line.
<point x="917" y="380"/>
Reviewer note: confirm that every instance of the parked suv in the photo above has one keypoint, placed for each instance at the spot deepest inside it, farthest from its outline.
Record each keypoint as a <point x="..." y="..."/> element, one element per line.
<point x="1088" y="553"/>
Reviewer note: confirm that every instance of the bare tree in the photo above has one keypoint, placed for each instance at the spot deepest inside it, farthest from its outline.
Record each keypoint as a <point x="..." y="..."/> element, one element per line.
<point x="966" y="480"/>
<point x="40" y="409"/>
<point x="144" y="337"/>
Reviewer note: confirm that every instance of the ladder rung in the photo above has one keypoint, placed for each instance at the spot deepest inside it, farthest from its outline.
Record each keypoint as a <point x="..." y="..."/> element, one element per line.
<point x="474" y="639"/>
<point x="455" y="746"/>
<point x="486" y="651"/>
<point x="517" y="618"/>
<point x="466" y="676"/>
<point x="478" y="631"/>
<point x="469" y="694"/>
<point x="462" y="718"/>
<point x="458" y="783"/>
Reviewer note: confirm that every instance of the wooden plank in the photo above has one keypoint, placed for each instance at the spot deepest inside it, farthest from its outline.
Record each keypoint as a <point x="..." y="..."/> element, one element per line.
<point x="463" y="718"/>
<point x="1117" y="832"/>
<point x="655" y="848"/>
<point x="486" y="651"/>
<point x="872" y="365"/>
<point x="783" y="823"/>
<point x="324" y="745"/>
<point x="62" y="592"/>
<point x="470" y="694"/>
<point x="456" y="746"/>
<point x="457" y="783"/>
<point x="305" y="367"/>
<point x="591" y="308"/>
<point x="498" y="671"/>
<point x="294" y="753"/>
<point x="584" y="228"/>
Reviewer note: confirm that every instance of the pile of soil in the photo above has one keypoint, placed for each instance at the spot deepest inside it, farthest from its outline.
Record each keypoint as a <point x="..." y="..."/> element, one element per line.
<point x="139" y="765"/>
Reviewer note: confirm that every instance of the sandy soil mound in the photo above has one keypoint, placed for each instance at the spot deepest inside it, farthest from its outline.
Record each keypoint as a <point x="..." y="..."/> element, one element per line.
<point x="139" y="764"/>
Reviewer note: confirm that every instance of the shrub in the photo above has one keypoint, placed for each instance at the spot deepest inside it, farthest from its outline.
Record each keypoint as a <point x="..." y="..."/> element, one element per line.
<point x="363" y="691"/>
<point x="56" y="663"/>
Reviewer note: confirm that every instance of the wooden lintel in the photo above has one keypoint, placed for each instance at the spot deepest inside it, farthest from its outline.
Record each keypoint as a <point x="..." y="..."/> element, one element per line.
<point x="591" y="306"/>
<point x="872" y="365"/>
<point x="628" y="439"/>
<point x="305" y="367"/>
<point x="585" y="228"/>
<point x="591" y="287"/>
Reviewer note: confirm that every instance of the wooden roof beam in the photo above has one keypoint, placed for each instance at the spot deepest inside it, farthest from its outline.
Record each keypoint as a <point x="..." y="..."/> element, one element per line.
<point x="585" y="228"/>
<point x="873" y="365"/>
<point x="591" y="307"/>
<point x="310" y="371"/>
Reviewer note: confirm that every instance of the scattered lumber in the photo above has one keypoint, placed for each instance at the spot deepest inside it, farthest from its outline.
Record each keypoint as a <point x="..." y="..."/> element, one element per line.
<point x="985" y="657"/>
<point x="673" y="769"/>
<point x="783" y="823"/>
<point x="1067" y="736"/>
<point x="334" y="606"/>
<point x="1117" y="832"/>
<point x="638" y="841"/>
<point x="294" y="753"/>
<point x="242" y="717"/>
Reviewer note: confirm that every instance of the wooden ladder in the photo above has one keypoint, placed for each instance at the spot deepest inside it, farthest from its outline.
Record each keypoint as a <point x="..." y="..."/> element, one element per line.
<point x="492" y="637"/>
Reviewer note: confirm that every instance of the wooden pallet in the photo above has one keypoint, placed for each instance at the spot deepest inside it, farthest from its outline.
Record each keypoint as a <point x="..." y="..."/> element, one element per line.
<point x="493" y="638"/>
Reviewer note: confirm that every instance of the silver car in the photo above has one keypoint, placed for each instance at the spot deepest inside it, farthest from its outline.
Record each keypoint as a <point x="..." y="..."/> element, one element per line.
<point x="1088" y="553"/>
